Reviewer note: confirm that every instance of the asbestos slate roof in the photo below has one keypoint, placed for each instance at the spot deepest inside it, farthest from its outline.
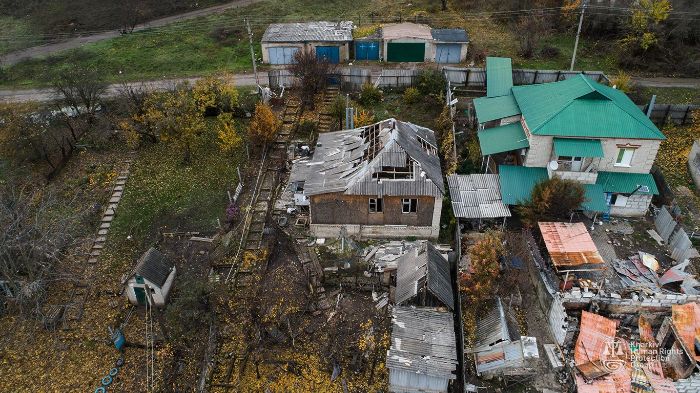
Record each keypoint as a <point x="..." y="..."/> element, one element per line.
<point x="579" y="106"/>
<point x="497" y="326"/>
<point x="310" y="31"/>
<point x="477" y="196"/>
<point x="345" y="161"/>
<point x="154" y="267"/>
<point x="423" y="342"/>
<point x="450" y="35"/>
<point x="424" y="266"/>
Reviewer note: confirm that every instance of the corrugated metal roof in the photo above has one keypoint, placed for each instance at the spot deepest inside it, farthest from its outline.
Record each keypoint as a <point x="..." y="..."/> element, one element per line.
<point x="395" y="31"/>
<point x="309" y="31"/>
<point x="424" y="266"/>
<point x="575" y="147"/>
<point x="154" y="267"/>
<point x="517" y="182"/>
<point x="502" y="138"/>
<point x="423" y="342"/>
<point x="497" y="326"/>
<point x="499" y="76"/>
<point x="346" y="161"/>
<point x="595" y="198"/>
<point x="569" y="244"/>
<point x="626" y="183"/>
<point x="477" y="196"/>
<point x="579" y="106"/>
<point x="501" y="356"/>
<point x="494" y="108"/>
<point x="686" y="319"/>
<point x="450" y="35"/>
<point x="594" y="338"/>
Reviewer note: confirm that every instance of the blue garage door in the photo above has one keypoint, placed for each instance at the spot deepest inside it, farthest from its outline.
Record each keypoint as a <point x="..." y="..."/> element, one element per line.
<point x="328" y="53"/>
<point x="282" y="54"/>
<point x="448" y="53"/>
<point x="366" y="50"/>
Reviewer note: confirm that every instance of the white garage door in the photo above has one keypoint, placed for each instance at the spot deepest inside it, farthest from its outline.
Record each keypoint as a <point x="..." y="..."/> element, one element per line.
<point x="282" y="55"/>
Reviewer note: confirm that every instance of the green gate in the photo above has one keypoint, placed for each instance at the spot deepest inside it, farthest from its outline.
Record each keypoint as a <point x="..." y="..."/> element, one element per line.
<point x="406" y="52"/>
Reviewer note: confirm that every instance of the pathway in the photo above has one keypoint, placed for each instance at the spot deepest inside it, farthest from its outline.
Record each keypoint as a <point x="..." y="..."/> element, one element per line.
<point x="76" y="42"/>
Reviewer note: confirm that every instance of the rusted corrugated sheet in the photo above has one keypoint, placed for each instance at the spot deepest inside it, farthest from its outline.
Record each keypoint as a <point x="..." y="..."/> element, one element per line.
<point x="686" y="319"/>
<point x="617" y="382"/>
<point x="569" y="244"/>
<point x="595" y="336"/>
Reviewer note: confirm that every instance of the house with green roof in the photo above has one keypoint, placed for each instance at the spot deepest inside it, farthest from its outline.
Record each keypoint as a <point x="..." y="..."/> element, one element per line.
<point x="575" y="129"/>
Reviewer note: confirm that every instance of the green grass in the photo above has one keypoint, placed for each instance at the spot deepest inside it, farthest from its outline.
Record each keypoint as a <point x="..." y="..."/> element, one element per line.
<point x="591" y="55"/>
<point x="670" y="95"/>
<point x="422" y="113"/>
<point x="15" y="34"/>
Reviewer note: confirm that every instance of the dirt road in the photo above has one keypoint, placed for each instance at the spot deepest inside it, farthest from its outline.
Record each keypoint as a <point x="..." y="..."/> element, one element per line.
<point x="49" y="49"/>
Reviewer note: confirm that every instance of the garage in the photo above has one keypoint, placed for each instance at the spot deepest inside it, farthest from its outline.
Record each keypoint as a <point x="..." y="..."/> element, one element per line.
<point x="448" y="53"/>
<point x="405" y="51"/>
<point x="330" y="54"/>
<point x="282" y="54"/>
<point x="366" y="50"/>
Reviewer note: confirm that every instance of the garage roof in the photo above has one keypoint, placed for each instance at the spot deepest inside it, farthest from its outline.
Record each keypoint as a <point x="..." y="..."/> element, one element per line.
<point x="310" y="31"/>
<point x="397" y="31"/>
<point x="450" y="35"/>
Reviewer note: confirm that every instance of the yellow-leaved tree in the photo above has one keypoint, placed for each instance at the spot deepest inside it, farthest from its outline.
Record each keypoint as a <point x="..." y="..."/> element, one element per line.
<point x="363" y="118"/>
<point x="214" y="94"/>
<point x="229" y="139"/>
<point x="645" y="22"/>
<point x="264" y="125"/>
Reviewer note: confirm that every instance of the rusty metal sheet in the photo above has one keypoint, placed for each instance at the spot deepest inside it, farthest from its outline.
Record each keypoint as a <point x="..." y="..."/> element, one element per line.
<point x="569" y="244"/>
<point x="595" y="335"/>
<point x="686" y="319"/>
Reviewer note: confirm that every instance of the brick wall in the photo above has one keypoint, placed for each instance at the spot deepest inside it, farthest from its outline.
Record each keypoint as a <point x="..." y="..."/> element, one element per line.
<point x="637" y="205"/>
<point x="338" y="208"/>
<point x="577" y="298"/>
<point x="642" y="160"/>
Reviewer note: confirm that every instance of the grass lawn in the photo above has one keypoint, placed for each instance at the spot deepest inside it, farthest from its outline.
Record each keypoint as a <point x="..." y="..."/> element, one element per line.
<point x="422" y="113"/>
<point x="670" y="95"/>
<point x="592" y="55"/>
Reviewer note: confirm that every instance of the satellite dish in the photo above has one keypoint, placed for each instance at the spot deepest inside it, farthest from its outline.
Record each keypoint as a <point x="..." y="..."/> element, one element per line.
<point x="553" y="165"/>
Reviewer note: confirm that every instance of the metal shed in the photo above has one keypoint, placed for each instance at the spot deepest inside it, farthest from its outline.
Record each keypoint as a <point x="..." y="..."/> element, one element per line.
<point x="450" y="45"/>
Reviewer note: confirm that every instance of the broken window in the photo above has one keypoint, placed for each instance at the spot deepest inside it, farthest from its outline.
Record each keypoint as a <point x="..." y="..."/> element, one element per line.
<point x="409" y="205"/>
<point x="396" y="172"/>
<point x="375" y="205"/>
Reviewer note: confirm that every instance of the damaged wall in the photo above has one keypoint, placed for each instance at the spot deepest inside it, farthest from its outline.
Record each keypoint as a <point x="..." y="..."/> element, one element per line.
<point x="338" y="208"/>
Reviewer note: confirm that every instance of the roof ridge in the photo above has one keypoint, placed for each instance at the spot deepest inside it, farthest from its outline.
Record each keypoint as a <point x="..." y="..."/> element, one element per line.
<point x="653" y="129"/>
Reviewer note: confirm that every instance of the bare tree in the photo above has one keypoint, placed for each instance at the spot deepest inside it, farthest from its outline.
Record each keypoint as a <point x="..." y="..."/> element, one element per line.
<point x="81" y="89"/>
<point x="312" y="74"/>
<point x="531" y="28"/>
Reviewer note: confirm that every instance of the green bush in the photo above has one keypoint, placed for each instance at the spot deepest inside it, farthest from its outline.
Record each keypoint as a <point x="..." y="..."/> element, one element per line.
<point x="431" y="82"/>
<point x="370" y="95"/>
<point x="307" y="127"/>
<point x="411" y="95"/>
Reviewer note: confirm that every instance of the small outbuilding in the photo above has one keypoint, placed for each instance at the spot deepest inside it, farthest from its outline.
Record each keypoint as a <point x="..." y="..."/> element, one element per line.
<point x="407" y="42"/>
<point x="423" y="278"/>
<point x="155" y="273"/>
<point x="329" y="40"/>
<point x="450" y="45"/>
<point x="368" y="43"/>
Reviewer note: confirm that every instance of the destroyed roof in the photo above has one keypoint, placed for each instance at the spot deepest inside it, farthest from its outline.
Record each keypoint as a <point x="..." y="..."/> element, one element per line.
<point x="686" y="319"/>
<point x="595" y="334"/>
<point x="499" y="325"/>
<point x="309" y="31"/>
<point x="423" y="342"/>
<point x="352" y="161"/>
<point x="477" y="196"/>
<point x="154" y="267"/>
<point x="424" y="264"/>
<point x="569" y="244"/>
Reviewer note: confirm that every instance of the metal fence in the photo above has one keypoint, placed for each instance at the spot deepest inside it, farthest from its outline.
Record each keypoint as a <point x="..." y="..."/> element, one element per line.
<point x="347" y="77"/>
<point x="674" y="113"/>
<point x="476" y="76"/>
<point x="666" y="223"/>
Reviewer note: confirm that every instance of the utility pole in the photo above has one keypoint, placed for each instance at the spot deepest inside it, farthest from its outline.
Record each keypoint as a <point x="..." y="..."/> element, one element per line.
<point x="252" y="52"/>
<point x="578" y="33"/>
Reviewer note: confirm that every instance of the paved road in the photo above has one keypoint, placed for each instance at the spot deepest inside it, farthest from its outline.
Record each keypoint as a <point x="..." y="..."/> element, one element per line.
<point x="48" y="49"/>
<point x="47" y="94"/>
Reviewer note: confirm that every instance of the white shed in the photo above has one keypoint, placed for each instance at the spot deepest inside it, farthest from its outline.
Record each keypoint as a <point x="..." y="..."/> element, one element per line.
<point x="155" y="273"/>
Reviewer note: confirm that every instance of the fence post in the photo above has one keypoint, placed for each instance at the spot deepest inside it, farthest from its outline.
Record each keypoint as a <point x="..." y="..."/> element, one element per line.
<point x="466" y="80"/>
<point x="685" y="117"/>
<point x="558" y="75"/>
<point x="534" y="79"/>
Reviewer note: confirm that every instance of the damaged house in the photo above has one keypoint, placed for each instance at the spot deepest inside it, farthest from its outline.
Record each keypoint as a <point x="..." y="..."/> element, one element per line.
<point x="574" y="129"/>
<point x="382" y="180"/>
<point x="423" y="278"/>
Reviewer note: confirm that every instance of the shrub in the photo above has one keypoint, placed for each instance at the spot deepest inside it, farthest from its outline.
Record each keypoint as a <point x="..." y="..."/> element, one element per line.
<point x="431" y="82"/>
<point x="363" y="118"/>
<point x="485" y="254"/>
<point x="549" y="52"/>
<point x="370" y="94"/>
<point x="623" y="82"/>
<point x="411" y="95"/>
<point x="226" y="35"/>
<point x="552" y="200"/>
<point x="307" y="127"/>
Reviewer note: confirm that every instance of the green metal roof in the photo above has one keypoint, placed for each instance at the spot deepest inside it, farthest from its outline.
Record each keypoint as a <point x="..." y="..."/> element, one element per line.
<point x="517" y="182"/>
<point x="626" y="183"/>
<point x="499" y="76"/>
<point x="578" y="147"/>
<point x="503" y="138"/>
<point x="595" y="198"/>
<point x="581" y="107"/>
<point x="493" y="108"/>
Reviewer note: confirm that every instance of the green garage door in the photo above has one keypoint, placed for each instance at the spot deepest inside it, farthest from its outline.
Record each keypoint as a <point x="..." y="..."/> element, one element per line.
<point x="406" y="52"/>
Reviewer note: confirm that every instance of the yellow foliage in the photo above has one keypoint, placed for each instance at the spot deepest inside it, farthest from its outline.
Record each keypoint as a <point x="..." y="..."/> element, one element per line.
<point x="229" y="140"/>
<point x="363" y="118"/>
<point x="215" y="93"/>
<point x="623" y="82"/>
<point x="365" y="31"/>
<point x="264" y="125"/>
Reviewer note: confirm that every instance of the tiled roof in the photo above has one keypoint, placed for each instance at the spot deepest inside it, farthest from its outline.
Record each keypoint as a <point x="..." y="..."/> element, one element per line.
<point x="569" y="244"/>
<point x="310" y="31"/>
<point x="499" y="76"/>
<point x="581" y="107"/>
<point x="494" y="108"/>
<point x="502" y="138"/>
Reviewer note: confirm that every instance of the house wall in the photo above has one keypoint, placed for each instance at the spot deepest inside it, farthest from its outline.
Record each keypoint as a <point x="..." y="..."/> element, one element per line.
<point x="540" y="151"/>
<point x="642" y="160"/>
<point x="344" y="48"/>
<point x="637" y="205"/>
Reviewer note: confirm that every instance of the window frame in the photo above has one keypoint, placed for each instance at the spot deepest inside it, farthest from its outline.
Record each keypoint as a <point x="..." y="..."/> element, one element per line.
<point x="411" y="203"/>
<point x="621" y="153"/>
<point x="378" y="205"/>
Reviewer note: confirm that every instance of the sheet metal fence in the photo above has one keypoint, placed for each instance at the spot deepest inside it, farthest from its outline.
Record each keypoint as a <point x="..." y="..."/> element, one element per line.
<point x="476" y="76"/>
<point x="347" y="77"/>
<point x="666" y="223"/>
<point x="662" y="114"/>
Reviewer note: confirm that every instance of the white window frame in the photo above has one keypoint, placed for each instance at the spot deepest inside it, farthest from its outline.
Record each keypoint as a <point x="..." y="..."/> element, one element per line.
<point x="624" y="157"/>
<point x="408" y="203"/>
<point x="378" y="205"/>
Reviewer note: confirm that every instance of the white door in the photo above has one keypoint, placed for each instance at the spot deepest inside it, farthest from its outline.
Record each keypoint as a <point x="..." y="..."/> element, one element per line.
<point x="576" y="163"/>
